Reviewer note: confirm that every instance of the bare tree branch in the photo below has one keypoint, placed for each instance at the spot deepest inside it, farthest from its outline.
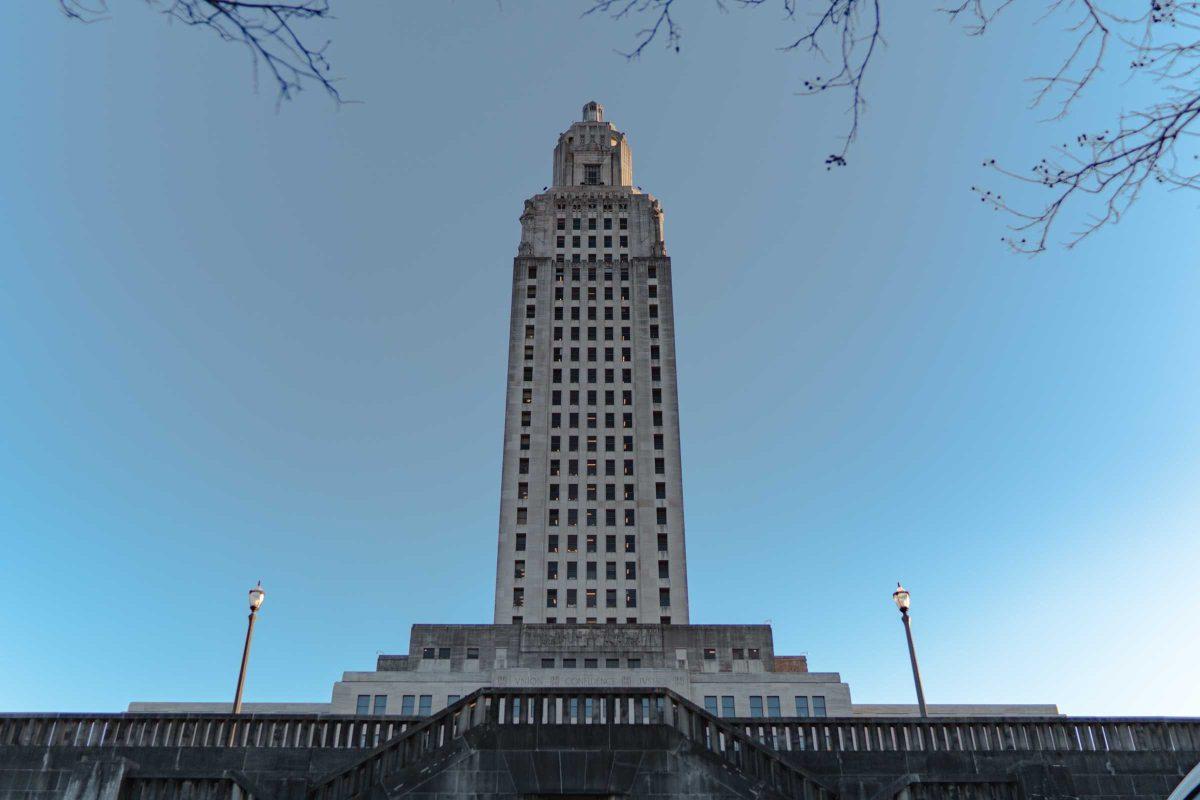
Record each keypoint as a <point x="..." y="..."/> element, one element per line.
<point x="268" y="29"/>
<point x="1099" y="175"/>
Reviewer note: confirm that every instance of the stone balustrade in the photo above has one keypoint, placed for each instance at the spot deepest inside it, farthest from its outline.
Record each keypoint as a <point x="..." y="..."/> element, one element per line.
<point x="975" y="734"/>
<point x="200" y="730"/>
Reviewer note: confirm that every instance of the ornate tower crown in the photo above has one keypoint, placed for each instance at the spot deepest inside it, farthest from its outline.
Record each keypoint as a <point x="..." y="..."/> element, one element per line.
<point x="593" y="153"/>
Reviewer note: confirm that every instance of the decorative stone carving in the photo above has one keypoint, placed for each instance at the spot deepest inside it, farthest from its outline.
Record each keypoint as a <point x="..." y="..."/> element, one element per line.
<point x="528" y="217"/>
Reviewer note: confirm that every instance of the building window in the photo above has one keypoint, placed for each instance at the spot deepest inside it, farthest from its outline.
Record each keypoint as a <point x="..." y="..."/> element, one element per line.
<point x="662" y="543"/>
<point x="664" y="571"/>
<point x="756" y="706"/>
<point x="664" y="598"/>
<point x="523" y="466"/>
<point x="631" y="570"/>
<point x="444" y="653"/>
<point x="629" y="518"/>
<point x="631" y="598"/>
<point x="451" y="699"/>
<point x="519" y="569"/>
<point x="755" y="654"/>
<point x="630" y="543"/>
<point x="522" y="515"/>
<point x="818" y="703"/>
<point x="425" y="707"/>
<point x="590" y="663"/>
<point x="547" y="663"/>
<point x="710" y="654"/>
<point x="660" y="516"/>
<point x="610" y="570"/>
<point x="773" y="709"/>
<point x="552" y="543"/>
<point x="660" y="491"/>
<point x="591" y="177"/>
<point x="739" y="654"/>
<point x="518" y="597"/>
<point x="364" y="705"/>
<point x="591" y="570"/>
<point x="591" y="593"/>
<point x="610" y="598"/>
<point x="612" y="663"/>
<point x="520" y="542"/>
<point x="472" y="653"/>
<point x="428" y="652"/>
<point x="551" y="570"/>
<point x="408" y="705"/>
<point x="728" y="708"/>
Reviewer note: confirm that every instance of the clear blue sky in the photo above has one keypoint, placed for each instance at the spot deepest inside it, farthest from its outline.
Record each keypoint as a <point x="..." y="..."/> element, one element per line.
<point x="224" y="356"/>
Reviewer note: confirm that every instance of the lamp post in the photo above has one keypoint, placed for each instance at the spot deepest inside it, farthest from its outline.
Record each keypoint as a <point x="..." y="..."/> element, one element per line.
<point x="256" y="598"/>
<point x="901" y="599"/>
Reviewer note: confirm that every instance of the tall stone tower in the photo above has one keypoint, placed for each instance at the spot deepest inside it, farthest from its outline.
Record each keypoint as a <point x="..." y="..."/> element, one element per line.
<point x="591" y="499"/>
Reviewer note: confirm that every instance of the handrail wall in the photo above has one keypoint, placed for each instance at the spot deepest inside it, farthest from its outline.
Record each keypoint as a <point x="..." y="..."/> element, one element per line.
<point x="833" y="734"/>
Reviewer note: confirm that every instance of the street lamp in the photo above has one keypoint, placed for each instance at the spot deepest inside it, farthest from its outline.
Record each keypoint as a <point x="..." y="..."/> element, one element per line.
<point x="256" y="598"/>
<point x="901" y="599"/>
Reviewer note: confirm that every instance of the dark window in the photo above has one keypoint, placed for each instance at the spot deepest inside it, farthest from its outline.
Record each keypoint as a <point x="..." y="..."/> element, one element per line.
<point x="664" y="570"/>
<point x="520" y="543"/>
<point x="363" y="707"/>
<point x="728" y="709"/>
<point x="801" y="706"/>
<point x="818" y="706"/>
<point x="756" y="706"/>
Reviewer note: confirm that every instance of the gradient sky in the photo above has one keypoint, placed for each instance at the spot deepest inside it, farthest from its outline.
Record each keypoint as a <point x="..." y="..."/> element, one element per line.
<point x="237" y="343"/>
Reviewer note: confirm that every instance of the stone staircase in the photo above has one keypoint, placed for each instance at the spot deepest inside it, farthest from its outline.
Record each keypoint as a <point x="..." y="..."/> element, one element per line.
<point x="558" y="732"/>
